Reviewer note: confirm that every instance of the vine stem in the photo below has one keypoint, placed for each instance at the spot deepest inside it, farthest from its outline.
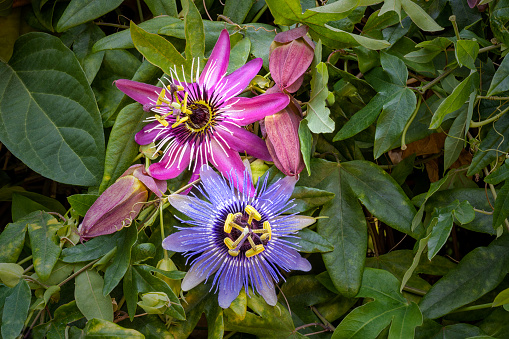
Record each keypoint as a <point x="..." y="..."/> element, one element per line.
<point x="488" y="121"/>
<point x="483" y="212"/>
<point x="492" y="98"/>
<point x="414" y="114"/>
<point x="21" y="262"/>
<point x="436" y="80"/>
<point x="473" y="308"/>
<point x="78" y="272"/>
<point x="260" y="13"/>
<point x="162" y="228"/>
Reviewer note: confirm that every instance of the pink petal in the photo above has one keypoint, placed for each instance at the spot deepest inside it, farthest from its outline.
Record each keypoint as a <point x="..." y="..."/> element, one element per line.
<point x="145" y="94"/>
<point x="228" y="162"/>
<point x="172" y="164"/>
<point x="245" y="111"/>
<point x="288" y="62"/>
<point x="148" y="134"/>
<point x="291" y="34"/>
<point x="235" y="83"/>
<point x="156" y="186"/>
<point x="244" y="141"/>
<point x="218" y="62"/>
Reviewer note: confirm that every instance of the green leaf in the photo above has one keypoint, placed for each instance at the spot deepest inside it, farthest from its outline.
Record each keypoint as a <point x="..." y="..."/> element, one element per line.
<point x="122" y="39"/>
<point x="237" y="10"/>
<point x="63" y="315"/>
<point x="415" y="262"/>
<point x="49" y="117"/>
<point x="389" y="306"/>
<point x="454" y="101"/>
<point x="496" y="177"/>
<point x="122" y="148"/>
<point x="422" y="55"/>
<point x="501" y="211"/>
<point x="92" y="250"/>
<point x="455" y="141"/>
<point x="15" y="310"/>
<point x="393" y="119"/>
<point x="306" y="143"/>
<point x="10" y="274"/>
<point x="442" y="226"/>
<point x="395" y="69"/>
<point x="118" y="267"/>
<point x="381" y="195"/>
<point x="502" y="298"/>
<point x="239" y="54"/>
<point x="12" y="240"/>
<point x="81" y="11"/>
<point x="156" y="49"/>
<point x="420" y="17"/>
<point x="500" y="81"/>
<point x="162" y="7"/>
<point x="466" y="53"/>
<point x="478" y="272"/>
<point x="22" y="205"/>
<point x="195" y="35"/>
<point x="318" y="117"/>
<point x="491" y="146"/>
<point x="311" y="242"/>
<point x="350" y="39"/>
<point x="82" y="202"/>
<point x="89" y="297"/>
<point x="306" y="198"/>
<point x="42" y="229"/>
<point x="464" y="212"/>
<point x="345" y="226"/>
<point x="99" y="328"/>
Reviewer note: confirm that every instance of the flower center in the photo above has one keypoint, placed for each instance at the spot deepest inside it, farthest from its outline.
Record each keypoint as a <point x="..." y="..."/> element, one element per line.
<point x="241" y="227"/>
<point x="200" y="116"/>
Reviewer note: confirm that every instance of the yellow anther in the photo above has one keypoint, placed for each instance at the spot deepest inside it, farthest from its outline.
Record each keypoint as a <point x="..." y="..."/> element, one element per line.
<point x="253" y="214"/>
<point x="184" y="105"/>
<point x="229" y="243"/>
<point x="162" y="98"/>
<point x="233" y="253"/>
<point x="180" y="88"/>
<point x="184" y="119"/>
<point x="162" y="120"/>
<point x="251" y="242"/>
<point x="268" y="229"/>
<point x="228" y="223"/>
<point x="254" y="251"/>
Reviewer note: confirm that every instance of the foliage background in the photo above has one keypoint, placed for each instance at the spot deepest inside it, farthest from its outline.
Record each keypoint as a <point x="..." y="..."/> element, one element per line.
<point x="405" y="142"/>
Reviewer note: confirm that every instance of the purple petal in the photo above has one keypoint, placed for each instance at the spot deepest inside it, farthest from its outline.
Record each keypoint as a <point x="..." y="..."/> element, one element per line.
<point x="302" y="221"/>
<point x="190" y="205"/>
<point x="201" y="270"/>
<point x="266" y="289"/>
<point x="296" y="261"/>
<point x="218" y="62"/>
<point x="282" y="189"/>
<point x="181" y="241"/>
<point x="288" y="62"/>
<point x="228" y="161"/>
<point x="145" y="94"/>
<point x="172" y="164"/>
<point x="235" y="83"/>
<point x="229" y="285"/>
<point x="148" y="134"/>
<point x="242" y="141"/>
<point x="154" y="185"/>
<point x="245" y="111"/>
<point x="291" y="34"/>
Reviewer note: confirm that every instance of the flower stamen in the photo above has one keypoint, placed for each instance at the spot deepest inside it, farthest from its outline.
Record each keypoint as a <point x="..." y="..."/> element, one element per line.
<point x="229" y="224"/>
<point x="253" y="214"/>
<point x="255" y="249"/>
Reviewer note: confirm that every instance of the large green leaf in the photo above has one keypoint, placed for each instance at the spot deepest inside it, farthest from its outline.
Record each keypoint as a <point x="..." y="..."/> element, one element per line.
<point x="237" y="10"/>
<point x="15" y="310"/>
<point x="12" y="239"/>
<point x="118" y="267"/>
<point x="81" y="11"/>
<point x="93" y="248"/>
<point x="477" y="273"/>
<point x="99" y="328"/>
<point x="42" y="229"/>
<point x="389" y="306"/>
<point x="195" y="34"/>
<point x="466" y="53"/>
<point x="48" y="115"/>
<point x="89" y="296"/>
<point x="63" y="315"/>
<point x="420" y="17"/>
<point x="381" y="195"/>
<point x="345" y="226"/>
<point x="501" y="211"/>
<point x="500" y="81"/>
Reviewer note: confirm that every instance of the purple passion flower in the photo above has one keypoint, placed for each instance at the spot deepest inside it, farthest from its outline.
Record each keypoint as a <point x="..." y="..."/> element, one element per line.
<point x="238" y="237"/>
<point x="200" y="122"/>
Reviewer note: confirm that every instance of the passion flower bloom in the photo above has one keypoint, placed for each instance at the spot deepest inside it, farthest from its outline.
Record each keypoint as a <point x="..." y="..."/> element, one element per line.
<point x="200" y="122"/>
<point x="238" y="238"/>
<point x="120" y="203"/>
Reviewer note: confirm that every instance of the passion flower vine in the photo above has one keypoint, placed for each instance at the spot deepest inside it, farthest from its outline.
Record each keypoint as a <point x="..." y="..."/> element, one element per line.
<point x="199" y="122"/>
<point x="238" y="237"/>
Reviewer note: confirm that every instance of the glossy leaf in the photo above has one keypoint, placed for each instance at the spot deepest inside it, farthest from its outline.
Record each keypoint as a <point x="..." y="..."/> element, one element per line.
<point x="82" y="202"/>
<point x="306" y="198"/>
<point x="194" y="32"/>
<point x="389" y="307"/>
<point x="12" y="239"/>
<point x="501" y="211"/>
<point x="237" y="10"/>
<point x="89" y="296"/>
<point x="306" y="144"/>
<point x="500" y="81"/>
<point x="42" y="229"/>
<point x="91" y="250"/>
<point x="345" y="226"/>
<point x="63" y="315"/>
<point x="311" y="242"/>
<point x="100" y="328"/>
<point x="420" y="17"/>
<point x="55" y="103"/>
<point x="15" y="310"/>
<point x="466" y="53"/>
<point x="454" y="142"/>
<point x="162" y="7"/>
<point x="499" y="175"/>
<point x="81" y="11"/>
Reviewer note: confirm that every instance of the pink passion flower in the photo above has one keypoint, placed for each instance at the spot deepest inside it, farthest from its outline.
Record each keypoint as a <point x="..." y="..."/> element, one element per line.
<point x="199" y="122"/>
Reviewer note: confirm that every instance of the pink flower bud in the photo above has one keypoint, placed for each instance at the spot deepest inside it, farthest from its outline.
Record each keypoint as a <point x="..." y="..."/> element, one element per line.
<point x="282" y="139"/>
<point x="120" y="203"/>
<point x="291" y="54"/>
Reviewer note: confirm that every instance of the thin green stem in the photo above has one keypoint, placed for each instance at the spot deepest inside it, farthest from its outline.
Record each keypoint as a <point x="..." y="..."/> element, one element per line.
<point x="27" y="277"/>
<point x="111" y="25"/>
<point x="78" y="272"/>
<point x="166" y="257"/>
<point x="27" y="269"/>
<point x="191" y="184"/>
<point x="22" y="261"/>
<point x="260" y="13"/>
<point x="140" y="11"/>
<point x="322" y="318"/>
<point x="138" y="157"/>
<point x="230" y="334"/>
<point x="414" y="290"/>
<point x="436" y="80"/>
<point x="414" y="114"/>
<point x="474" y="124"/>
<point x="492" y="98"/>
<point x="483" y="212"/>
<point x="473" y="308"/>
<point x="489" y="48"/>
<point x="452" y="19"/>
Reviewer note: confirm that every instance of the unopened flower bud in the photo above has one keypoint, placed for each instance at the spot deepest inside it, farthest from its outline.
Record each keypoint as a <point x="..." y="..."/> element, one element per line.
<point x="154" y="302"/>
